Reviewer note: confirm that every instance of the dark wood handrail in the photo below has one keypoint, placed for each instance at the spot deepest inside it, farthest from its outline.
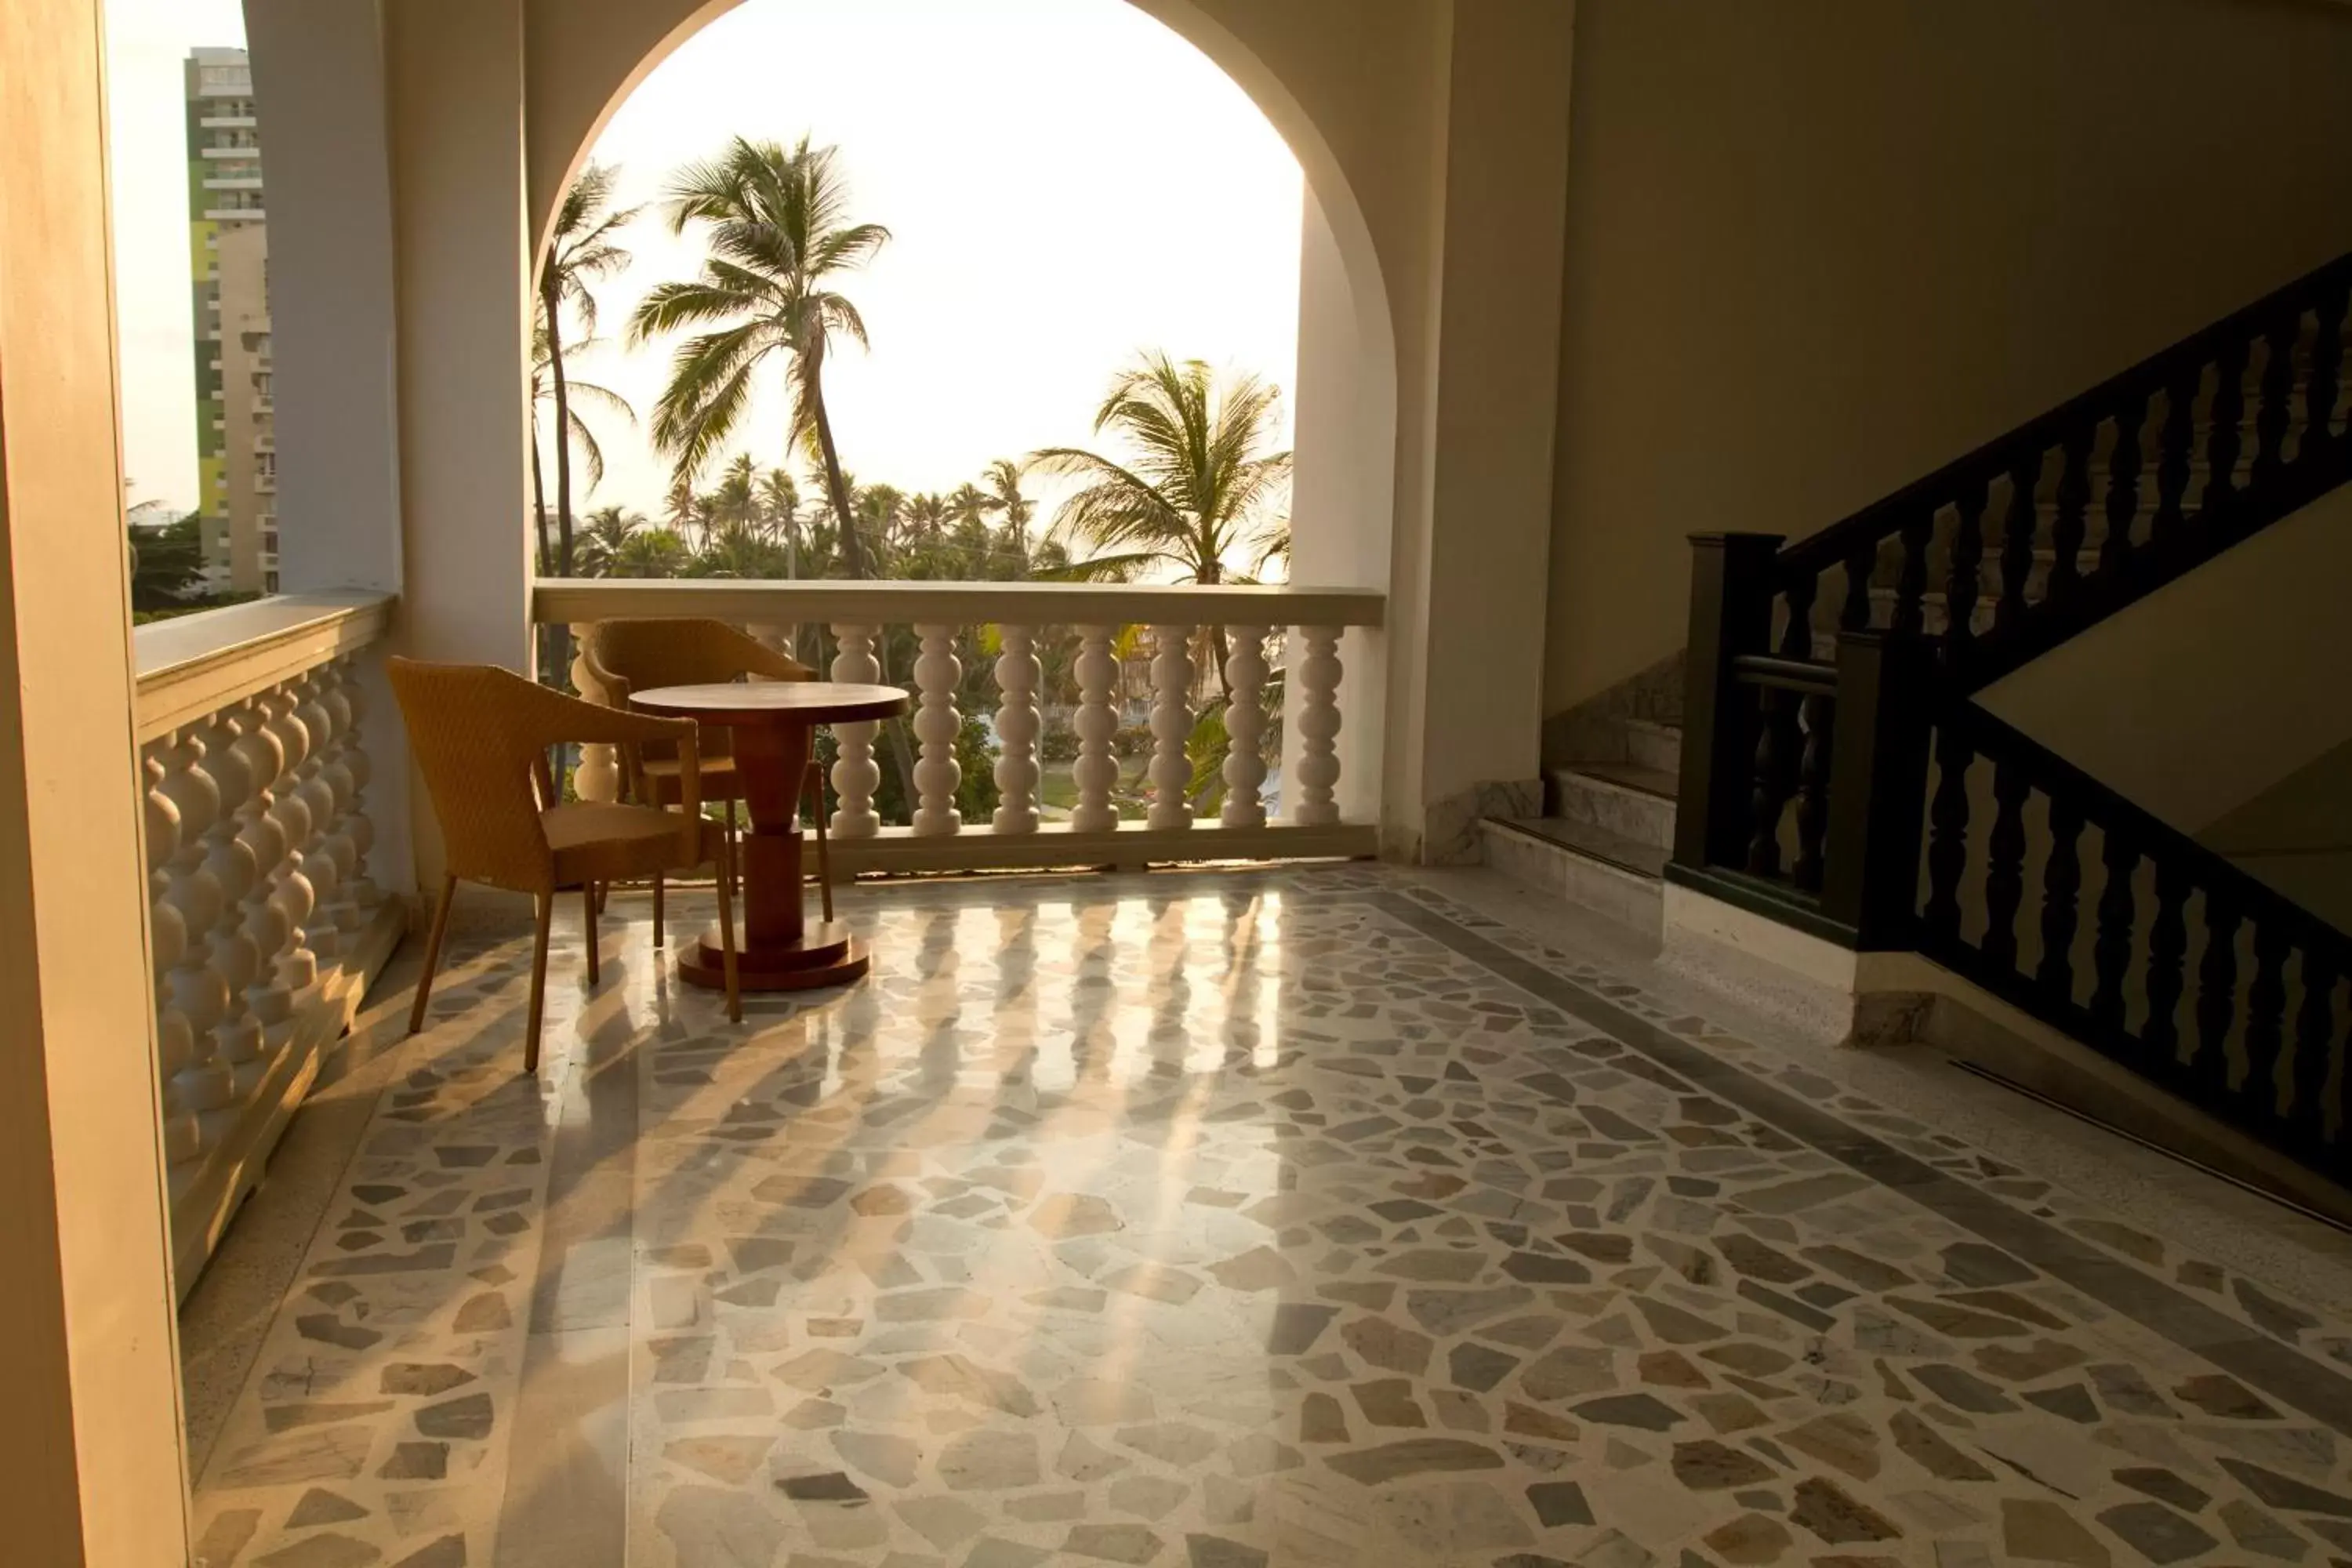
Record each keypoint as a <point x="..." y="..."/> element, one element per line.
<point x="1884" y="518"/>
<point x="2003" y="744"/>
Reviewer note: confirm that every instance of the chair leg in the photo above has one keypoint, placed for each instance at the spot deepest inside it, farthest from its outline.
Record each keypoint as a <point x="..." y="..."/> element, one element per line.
<point x="824" y="852"/>
<point x="727" y="869"/>
<point x="727" y="929"/>
<point x="432" y="953"/>
<point x="657" y="908"/>
<point x="588" y="923"/>
<point x="538" y="983"/>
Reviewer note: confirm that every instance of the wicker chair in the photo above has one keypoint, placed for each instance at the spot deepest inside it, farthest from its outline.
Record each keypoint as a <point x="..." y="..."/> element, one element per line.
<point x="631" y="655"/>
<point x="481" y="737"/>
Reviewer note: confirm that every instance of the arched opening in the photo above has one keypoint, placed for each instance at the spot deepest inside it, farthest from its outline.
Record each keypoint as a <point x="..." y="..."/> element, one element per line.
<point x="615" y="80"/>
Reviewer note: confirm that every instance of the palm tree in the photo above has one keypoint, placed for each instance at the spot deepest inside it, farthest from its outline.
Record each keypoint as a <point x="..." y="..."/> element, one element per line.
<point x="604" y="533"/>
<point x="581" y="250"/>
<point x="778" y="233"/>
<point x="736" y="501"/>
<point x="576" y="394"/>
<point x="1199" y="488"/>
<point x="926" y="516"/>
<point x="1005" y="497"/>
<point x="650" y="553"/>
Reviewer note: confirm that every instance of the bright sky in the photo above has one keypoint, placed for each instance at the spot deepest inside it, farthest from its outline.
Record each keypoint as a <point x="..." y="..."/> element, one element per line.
<point x="1067" y="181"/>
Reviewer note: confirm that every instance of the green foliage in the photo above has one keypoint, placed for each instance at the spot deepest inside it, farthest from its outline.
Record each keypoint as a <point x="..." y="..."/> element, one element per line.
<point x="166" y="565"/>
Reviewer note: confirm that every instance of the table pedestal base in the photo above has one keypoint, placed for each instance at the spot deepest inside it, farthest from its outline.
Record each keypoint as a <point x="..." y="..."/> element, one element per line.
<point x="826" y="955"/>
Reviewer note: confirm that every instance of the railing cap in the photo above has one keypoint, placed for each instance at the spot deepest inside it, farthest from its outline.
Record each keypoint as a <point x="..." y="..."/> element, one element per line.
<point x="566" y="601"/>
<point x="192" y="666"/>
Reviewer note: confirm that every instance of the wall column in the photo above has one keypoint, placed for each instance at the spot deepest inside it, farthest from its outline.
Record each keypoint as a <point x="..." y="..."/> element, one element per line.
<point x="455" y="105"/>
<point x="92" y="1442"/>
<point x="1477" y="693"/>
<point x="318" y="77"/>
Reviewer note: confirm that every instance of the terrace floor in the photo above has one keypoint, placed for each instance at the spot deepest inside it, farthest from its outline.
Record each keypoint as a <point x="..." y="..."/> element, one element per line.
<point x="1343" y="1215"/>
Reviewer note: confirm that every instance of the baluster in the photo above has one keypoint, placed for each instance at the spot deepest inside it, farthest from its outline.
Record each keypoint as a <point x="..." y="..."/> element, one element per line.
<point x="854" y="775"/>
<point x="2228" y="424"/>
<point x="2315" y="1035"/>
<point x="1319" y="727"/>
<point x="2067" y="532"/>
<point x="244" y="760"/>
<point x="1172" y="727"/>
<point x="2017" y="540"/>
<point x="2321" y="389"/>
<point x="2111" y="947"/>
<point x="597" y="776"/>
<point x="2216" y="997"/>
<point x="1918" y="533"/>
<point x="2265" y="1033"/>
<point x="937" y="725"/>
<point x="316" y="796"/>
<point x="2173" y="450"/>
<point x="1779" y="754"/>
<point x="1245" y="771"/>
<point x="1797" y="635"/>
<point x="357" y="825"/>
<point x="1097" y="770"/>
<point x="2167" y="950"/>
<point x="2123" y="484"/>
<point x="1964" y="579"/>
<point x="1948" y="833"/>
<point x="2277" y="412"/>
<point x="774" y="637"/>
<point x="175" y="1038"/>
<point x="1017" y="727"/>
<point x="282" y="889"/>
<point x="337" y="915"/>
<point x="2061" y="886"/>
<point x="1853" y="616"/>
<point x="1818" y="714"/>
<point x="2005" y="863"/>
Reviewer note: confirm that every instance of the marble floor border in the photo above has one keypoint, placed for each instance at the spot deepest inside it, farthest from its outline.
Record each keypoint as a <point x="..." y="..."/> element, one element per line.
<point x="2285" y="1374"/>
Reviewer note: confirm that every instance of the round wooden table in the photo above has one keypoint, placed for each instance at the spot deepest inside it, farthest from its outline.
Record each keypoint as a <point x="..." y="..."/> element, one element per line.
<point x="772" y="725"/>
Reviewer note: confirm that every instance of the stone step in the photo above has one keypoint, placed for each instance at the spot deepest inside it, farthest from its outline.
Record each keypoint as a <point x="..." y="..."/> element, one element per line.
<point x="1655" y="746"/>
<point x="1582" y="864"/>
<point x="1624" y="800"/>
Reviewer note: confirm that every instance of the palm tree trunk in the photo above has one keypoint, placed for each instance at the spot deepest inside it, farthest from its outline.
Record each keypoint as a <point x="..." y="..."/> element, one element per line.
<point x="555" y="301"/>
<point x="539" y="504"/>
<point x="852" y="553"/>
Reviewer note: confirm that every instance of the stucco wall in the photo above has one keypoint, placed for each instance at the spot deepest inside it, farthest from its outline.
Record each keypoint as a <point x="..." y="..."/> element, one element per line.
<point x="1816" y="247"/>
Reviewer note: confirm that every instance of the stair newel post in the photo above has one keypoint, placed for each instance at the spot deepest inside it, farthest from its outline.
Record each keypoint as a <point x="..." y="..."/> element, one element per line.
<point x="1732" y="614"/>
<point x="1878" y="783"/>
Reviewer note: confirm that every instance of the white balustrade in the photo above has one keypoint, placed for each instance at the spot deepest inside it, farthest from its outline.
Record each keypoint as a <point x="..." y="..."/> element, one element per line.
<point x="1172" y="727"/>
<point x="1096" y="724"/>
<point x="597" y="774"/>
<point x="1244" y="769"/>
<point x="937" y="726"/>
<point x="1018" y="727"/>
<point x="1060" y="673"/>
<point x="265" y="925"/>
<point x="1318" y="726"/>
<point x="854" y="775"/>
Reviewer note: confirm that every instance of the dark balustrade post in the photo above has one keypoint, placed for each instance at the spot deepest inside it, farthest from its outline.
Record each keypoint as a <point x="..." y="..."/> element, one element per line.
<point x="1878" y="783"/>
<point x="2216" y="997"/>
<point x="2320" y="390"/>
<point x="2315" y="1043"/>
<point x="2072" y="525"/>
<point x="2174" y="445"/>
<point x="2005" y="863"/>
<point x="2167" y="950"/>
<point x="2277" y="415"/>
<point x="1964" y="577"/>
<point x="2227" y="437"/>
<point x="2123" y="484"/>
<point x="1732" y="614"/>
<point x="2110" y="944"/>
<point x="2017" y="540"/>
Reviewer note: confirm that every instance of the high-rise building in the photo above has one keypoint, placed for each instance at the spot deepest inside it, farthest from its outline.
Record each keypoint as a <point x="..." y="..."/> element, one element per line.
<point x="236" y="442"/>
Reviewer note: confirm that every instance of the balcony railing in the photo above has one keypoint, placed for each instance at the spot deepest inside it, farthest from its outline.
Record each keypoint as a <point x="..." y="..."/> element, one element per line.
<point x="266" y="929"/>
<point x="1033" y="622"/>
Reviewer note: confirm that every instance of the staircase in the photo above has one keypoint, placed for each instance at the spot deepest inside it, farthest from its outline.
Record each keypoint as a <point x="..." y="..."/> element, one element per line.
<point x="2209" y="431"/>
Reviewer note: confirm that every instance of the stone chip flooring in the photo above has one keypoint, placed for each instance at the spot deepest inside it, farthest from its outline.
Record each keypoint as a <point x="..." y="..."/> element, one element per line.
<point x="1304" y="1218"/>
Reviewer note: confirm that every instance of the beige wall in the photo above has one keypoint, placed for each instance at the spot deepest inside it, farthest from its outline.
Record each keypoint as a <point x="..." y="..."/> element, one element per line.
<point x="90" y="1442"/>
<point x="1816" y="247"/>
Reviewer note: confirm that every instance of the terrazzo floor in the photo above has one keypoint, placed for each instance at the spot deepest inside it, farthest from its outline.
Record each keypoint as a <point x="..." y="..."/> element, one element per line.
<point x="1294" y="1217"/>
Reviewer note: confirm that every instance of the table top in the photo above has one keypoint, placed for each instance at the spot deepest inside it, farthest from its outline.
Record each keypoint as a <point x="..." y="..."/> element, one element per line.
<point x="781" y="703"/>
